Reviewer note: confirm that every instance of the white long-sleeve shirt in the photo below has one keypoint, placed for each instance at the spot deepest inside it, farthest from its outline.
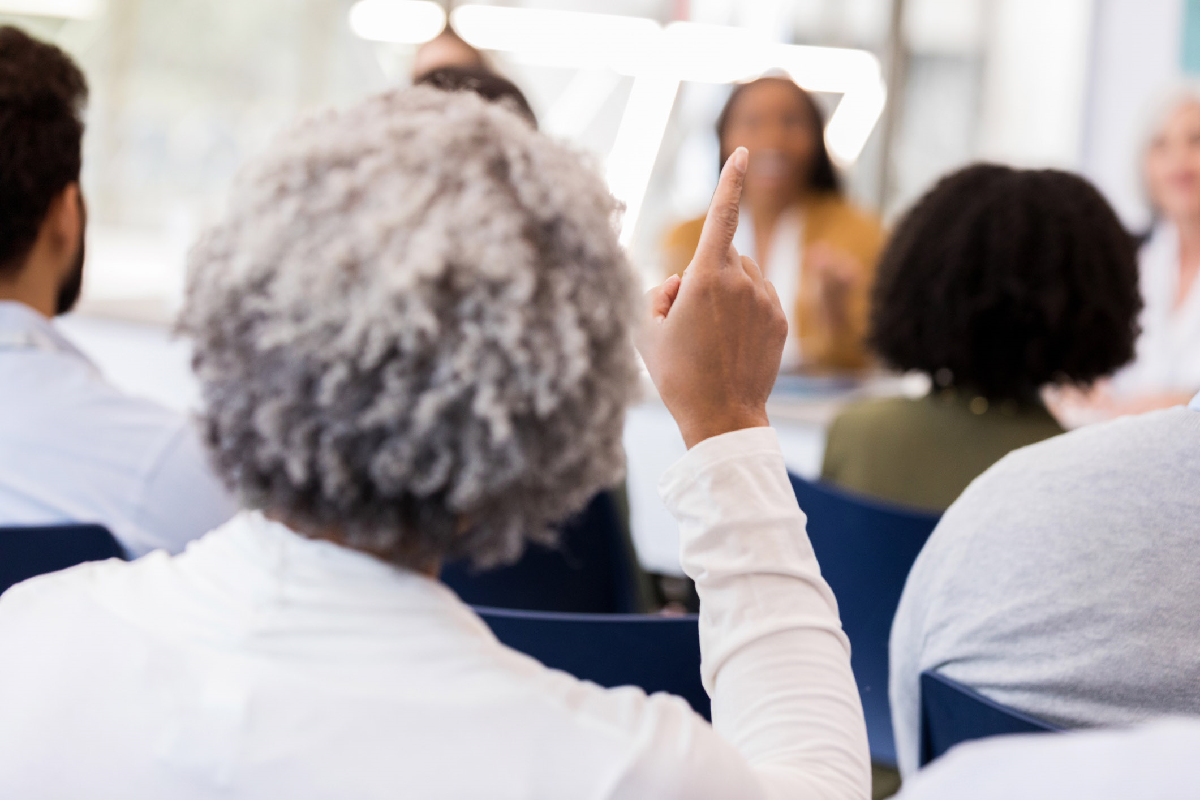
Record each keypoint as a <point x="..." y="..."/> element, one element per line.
<point x="263" y="664"/>
<point x="75" y="449"/>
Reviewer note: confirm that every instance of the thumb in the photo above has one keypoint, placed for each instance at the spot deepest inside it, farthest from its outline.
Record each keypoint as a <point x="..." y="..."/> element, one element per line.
<point x="721" y="222"/>
<point x="662" y="297"/>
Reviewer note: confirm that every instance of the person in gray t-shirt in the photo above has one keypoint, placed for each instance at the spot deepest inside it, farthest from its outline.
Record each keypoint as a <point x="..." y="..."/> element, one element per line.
<point x="1064" y="582"/>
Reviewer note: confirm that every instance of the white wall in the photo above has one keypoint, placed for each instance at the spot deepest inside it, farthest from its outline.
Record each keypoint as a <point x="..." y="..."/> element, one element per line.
<point x="1035" y="82"/>
<point x="1135" y="58"/>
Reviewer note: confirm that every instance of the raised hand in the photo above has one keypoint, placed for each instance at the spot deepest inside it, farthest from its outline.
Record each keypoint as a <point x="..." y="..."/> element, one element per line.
<point x="838" y="274"/>
<point x="712" y="340"/>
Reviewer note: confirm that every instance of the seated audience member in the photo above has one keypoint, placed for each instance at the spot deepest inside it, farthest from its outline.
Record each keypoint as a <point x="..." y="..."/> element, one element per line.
<point x="1166" y="371"/>
<point x="447" y="49"/>
<point x="413" y="334"/>
<point x="817" y="248"/>
<point x="996" y="283"/>
<point x="1156" y="760"/>
<point x="72" y="447"/>
<point x="1065" y="582"/>
<point x="498" y="89"/>
<point x="483" y="82"/>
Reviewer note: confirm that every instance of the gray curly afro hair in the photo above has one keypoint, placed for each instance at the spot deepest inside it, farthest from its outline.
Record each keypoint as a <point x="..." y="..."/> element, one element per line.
<point x="414" y="328"/>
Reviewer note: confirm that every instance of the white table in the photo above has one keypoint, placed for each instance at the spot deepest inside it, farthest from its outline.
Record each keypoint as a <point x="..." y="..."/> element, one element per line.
<point x="800" y="411"/>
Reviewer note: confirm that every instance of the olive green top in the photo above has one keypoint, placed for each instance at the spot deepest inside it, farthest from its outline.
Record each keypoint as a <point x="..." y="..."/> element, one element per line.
<point x="923" y="452"/>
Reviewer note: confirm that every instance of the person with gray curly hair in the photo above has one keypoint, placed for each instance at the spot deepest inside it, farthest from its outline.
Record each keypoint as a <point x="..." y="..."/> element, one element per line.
<point x="442" y="370"/>
<point x="414" y="331"/>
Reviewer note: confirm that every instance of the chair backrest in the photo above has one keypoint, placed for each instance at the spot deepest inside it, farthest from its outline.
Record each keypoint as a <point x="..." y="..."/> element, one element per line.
<point x="865" y="549"/>
<point x="592" y="571"/>
<point x="29" y="550"/>
<point x="659" y="654"/>
<point x="952" y="713"/>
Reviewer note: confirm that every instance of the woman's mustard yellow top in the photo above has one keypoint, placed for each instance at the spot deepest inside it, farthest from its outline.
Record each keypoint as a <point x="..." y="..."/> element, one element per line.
<point x="834" y="221"/>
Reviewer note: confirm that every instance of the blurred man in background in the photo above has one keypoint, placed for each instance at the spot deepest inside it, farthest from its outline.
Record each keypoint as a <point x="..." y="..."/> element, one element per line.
<point x="72" y="447"/>
<point x="447" y="49"/>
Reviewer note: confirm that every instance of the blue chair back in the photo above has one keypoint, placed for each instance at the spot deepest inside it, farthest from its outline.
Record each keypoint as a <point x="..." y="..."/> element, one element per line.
<point x="592" y="571"/>
<point x="952" y="713"/>
<point x="29" y="550"/>
<point x="865" y="549"/>
<point x="659" y="654"/>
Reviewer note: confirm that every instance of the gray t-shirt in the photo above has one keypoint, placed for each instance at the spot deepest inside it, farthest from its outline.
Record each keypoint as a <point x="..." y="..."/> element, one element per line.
<point x="1065" y="582"/>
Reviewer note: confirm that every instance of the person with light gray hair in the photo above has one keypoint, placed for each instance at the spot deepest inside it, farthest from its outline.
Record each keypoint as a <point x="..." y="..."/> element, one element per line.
<point x="1166" y="369"/>
<point x="414" y="331"/>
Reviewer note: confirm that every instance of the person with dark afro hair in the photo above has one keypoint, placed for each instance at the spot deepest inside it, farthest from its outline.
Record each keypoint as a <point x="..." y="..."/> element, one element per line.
<point x="489" y="85"/>
<point x="997" y="283"/>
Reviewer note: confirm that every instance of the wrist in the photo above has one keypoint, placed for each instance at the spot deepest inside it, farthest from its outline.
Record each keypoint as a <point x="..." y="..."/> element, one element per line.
<point x="706" y="426"/>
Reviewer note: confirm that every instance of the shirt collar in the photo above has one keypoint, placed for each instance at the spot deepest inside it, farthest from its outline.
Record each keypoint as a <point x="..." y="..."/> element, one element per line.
<point x="1195" y="403"/>
<point x="22" y="328"/>
<point x="261" y="561"/>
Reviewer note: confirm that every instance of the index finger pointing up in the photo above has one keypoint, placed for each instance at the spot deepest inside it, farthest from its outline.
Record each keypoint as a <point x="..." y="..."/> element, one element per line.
<point x="722" y="220"/>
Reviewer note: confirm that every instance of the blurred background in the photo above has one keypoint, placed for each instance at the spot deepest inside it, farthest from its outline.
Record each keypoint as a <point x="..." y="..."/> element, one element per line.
<point x="183" y="91"/>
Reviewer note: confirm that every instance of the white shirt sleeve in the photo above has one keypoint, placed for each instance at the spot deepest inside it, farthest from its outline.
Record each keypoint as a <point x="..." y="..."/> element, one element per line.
<point x="182" y="499"/>
<point x="786" y="712"/>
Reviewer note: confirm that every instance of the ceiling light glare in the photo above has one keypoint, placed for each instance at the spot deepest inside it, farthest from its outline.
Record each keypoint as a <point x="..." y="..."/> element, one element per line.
<point x="398" y="21"/>
<point x="853" y="121"/>
<point x="571" y="39"/>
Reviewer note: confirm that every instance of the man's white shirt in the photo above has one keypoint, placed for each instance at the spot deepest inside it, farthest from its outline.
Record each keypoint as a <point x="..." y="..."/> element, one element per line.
<point x="73" y="448"/>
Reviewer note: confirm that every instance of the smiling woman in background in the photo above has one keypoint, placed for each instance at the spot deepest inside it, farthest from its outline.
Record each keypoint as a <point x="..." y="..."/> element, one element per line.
<point x="996" y="283"/>
<point x="817" y="248"/>
<point x="1166" y="371"/>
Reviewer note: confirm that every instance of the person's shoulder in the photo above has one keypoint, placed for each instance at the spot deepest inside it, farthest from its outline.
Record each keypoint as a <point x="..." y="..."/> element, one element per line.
<point x="39" y="595"/>
<point x="77" y="390"/>
<point x="1111" y="442"/>
<point x="867" y="416"/>
<point x="868" y="427"/>
<point x="1135" y="448"/>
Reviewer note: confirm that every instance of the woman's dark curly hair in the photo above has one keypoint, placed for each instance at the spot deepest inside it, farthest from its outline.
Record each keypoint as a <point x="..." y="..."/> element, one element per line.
<point x="483" y="82"/>
<point x="42" y="94"/>
<point x="1004" y="281"/>
<point x="823" y="177"/>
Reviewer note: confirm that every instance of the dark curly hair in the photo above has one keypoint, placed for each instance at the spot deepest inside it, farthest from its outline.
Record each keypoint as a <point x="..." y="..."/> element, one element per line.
<point x="42" y="94"/>
<point x="823" y="176"/>
<point x="1004" y="281"/>
<point x="483" y="82"/>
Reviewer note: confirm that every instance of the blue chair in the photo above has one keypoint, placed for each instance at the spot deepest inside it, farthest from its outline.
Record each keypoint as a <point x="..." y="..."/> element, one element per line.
<point x="952" y="713"/>
<point x="29" y="550"/>
<point x="865" y="549"/>
<point x="659" y="654"/>
<point x="592" y="571"/>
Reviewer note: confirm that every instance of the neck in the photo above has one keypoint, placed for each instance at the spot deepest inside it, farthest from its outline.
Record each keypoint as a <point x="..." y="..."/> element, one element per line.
<point x="1189" y="242"/>
<point x="768" y="210"/>
<point x="33" y="285"/>
<point x="428" y="568"/>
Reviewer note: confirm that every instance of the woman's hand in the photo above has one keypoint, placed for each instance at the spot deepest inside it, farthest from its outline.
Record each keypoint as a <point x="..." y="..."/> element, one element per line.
<point x="1074" y="408"/>
<point x="713" y="339"/>
<point x="838" y="274"/>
